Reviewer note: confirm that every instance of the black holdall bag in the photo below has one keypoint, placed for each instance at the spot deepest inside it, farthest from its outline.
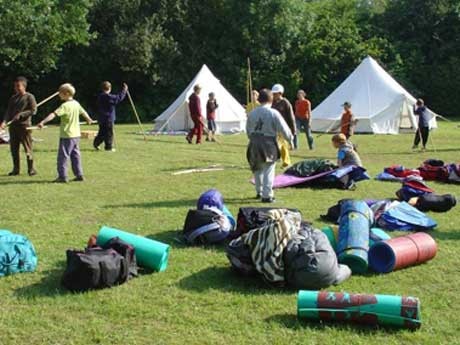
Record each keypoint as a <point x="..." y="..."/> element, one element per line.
<point x="97" y="268"/>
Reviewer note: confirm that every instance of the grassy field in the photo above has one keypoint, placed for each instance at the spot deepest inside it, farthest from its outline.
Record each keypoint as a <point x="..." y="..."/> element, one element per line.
<point x="198" y="300"/>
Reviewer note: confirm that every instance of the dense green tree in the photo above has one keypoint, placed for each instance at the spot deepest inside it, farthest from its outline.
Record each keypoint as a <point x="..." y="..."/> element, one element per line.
<point x="34" y="33"/>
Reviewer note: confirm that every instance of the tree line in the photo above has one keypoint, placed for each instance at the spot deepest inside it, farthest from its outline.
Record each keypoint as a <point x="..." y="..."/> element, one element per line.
<point x="158" y="46"/>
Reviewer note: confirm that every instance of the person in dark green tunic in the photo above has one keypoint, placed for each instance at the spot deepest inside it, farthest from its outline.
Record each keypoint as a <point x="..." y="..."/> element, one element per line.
<point x="21" y="107"/>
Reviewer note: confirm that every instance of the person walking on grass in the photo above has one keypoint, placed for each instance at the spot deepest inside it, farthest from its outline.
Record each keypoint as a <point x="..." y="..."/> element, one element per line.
<point x="69" y="112"/>
<point x="423" y="130"/>
<point x="263" y="126"/>
<point x="303" y="118"/>
<point x="284" y="107"/>
<point x="194" y="105"/>
<point x="106" y="103"/>
<point x="211" y="108"/>
<point x="21" y="107"/>
<point x="347" y="121"/>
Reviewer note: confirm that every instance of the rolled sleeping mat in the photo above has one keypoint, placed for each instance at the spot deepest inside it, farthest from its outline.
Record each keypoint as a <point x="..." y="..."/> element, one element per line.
<point x="389" y="310"/>
<point x="332" y="234"/>
<point x="400" y="252"/>
<point x="229" y="215"/>
<point x="375" y="235"/>
<point x="149" y="253"/>
<point x="356" y="218"/>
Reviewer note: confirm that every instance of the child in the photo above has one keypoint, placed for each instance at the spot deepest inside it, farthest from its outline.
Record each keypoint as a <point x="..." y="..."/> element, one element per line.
<point x="346" y="155"/>
<point x="211" y="108"/>
<point x="348" y="121"/>
<point x="69" y="112"/>
<point x="106" y="103"/>
<point x="303" y="118"/>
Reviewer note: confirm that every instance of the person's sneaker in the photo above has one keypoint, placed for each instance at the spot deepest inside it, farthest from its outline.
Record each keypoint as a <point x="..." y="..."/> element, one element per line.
<point x="258" y="196"/>
<point x="423" y="149"/>
<point x="13" y="173"/>
<point x="110" y="150"/>
<point x="32" y="172"/>
<point x="213" y="140"/>
<point x="96" y="148"/>
<point x="189" y="140"/>
<point x="415" y="147"/>
<point x="60" y="180"/>
<point x="207" y="139"/>
<point x="79" y="179"/>
<point x="268" y="200"/>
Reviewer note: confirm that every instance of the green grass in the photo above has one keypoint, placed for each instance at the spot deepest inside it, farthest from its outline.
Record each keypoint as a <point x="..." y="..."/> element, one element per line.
<point x="198" y="300"/>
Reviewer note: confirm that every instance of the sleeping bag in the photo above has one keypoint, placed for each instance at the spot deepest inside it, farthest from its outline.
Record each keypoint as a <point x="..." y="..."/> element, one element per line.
<point x="310" y="167"/>
<point x="413" y="187"/>
<point x="311" y="263"/>
<point x="435" y="203"/>
<point x="239" y="255"/>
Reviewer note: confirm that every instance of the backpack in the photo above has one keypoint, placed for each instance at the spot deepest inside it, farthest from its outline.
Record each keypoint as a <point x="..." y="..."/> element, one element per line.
<point x="413" y="187"/>
<point x="434" y="170"/>
<point x="17" y="254"/>
<point x="454" y="172"/>
<point x="100" y="267"/>
<point x="206" y="226"/>
<point x="435" y="203"/>
<point x="250" y="218"/>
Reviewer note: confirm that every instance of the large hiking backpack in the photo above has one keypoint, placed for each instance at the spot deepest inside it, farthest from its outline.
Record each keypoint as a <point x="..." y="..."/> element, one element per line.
<point x="206" y="226"/>
<point x="100" y="267"/>
<point x="17" y="254"/>
<point x="413" y="187"/>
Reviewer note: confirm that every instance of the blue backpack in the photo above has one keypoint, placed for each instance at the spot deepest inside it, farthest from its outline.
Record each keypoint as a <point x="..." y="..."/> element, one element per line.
<point x="17" y="254"/>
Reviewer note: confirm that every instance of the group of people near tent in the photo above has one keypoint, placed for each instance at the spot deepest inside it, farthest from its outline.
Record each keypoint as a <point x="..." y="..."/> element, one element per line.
<point x="22" y="106"/>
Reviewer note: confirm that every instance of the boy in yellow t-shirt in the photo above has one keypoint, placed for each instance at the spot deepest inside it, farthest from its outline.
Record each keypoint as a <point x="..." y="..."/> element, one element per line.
<point x="69" y="112"/>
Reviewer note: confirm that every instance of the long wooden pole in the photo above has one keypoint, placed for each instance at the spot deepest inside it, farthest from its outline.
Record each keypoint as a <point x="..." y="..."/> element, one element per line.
<point x="41" y="103"/>
<point x="251" y="96"/>
<point x="136" y="114"/>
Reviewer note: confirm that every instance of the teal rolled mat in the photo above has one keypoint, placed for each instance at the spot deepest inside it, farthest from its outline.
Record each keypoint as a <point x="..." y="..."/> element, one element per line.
<point x="149" y="253"/>
<point x="389" y="310"/>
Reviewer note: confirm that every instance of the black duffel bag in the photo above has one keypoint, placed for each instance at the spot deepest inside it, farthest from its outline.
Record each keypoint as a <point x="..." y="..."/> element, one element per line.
<point x="99" y="267"/>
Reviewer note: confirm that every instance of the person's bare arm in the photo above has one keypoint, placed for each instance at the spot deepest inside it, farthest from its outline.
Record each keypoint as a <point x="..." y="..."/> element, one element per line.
<point x="47" y="119"/>
<point x="85" y="115"/>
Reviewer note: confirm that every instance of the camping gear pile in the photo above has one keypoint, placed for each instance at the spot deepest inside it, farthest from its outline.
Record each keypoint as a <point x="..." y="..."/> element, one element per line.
<point x="211" y="222"/>
<point x="429" y="170"/>
<point x="111" y="259"/>
<point x="320" y="172"/>
<point x="360" y="246"/>
<point x="276" y="245"/>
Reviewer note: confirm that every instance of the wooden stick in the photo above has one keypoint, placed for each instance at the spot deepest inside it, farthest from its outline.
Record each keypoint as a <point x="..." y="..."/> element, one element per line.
<point x="33" y="128"/>
<point x="39" y="104"/>
<point x="136" y="114"/>
<point x="198" y="170"/>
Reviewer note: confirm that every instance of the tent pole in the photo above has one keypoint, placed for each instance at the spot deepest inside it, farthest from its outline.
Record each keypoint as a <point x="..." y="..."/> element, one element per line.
<point x="136" y="114"/>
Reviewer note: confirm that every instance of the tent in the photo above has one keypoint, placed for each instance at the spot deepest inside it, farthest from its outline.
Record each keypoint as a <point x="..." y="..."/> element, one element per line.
<point x="230" y="116"/>
<point x="379" y="102"/>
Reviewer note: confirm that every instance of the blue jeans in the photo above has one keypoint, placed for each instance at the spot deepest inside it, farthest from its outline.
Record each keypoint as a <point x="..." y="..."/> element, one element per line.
<point x="305" y="124"/>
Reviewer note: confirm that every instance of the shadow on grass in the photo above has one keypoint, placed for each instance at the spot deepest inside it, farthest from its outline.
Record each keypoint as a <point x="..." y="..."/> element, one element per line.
<point x="226" y="279"/>
<point x="293" y="322"/>
<point x="159" y="204"/>
<point x="172" y="238"/>
<point x="451" y="235"/>
<point x="48" y="286"/>
<point x="25" y="182"/>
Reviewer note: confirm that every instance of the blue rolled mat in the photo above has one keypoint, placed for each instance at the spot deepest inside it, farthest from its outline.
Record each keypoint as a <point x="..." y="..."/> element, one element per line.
<point x="356" y="218"/>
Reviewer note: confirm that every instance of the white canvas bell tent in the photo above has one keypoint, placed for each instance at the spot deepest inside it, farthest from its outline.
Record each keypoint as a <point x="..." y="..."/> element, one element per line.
<point x="230" y="115"/>
<point x="379" y="102"/>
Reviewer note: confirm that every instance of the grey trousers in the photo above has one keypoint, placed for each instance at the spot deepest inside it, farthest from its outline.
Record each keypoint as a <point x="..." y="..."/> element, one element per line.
<point x="264" y="178"/>
<point x="69" y="148"/>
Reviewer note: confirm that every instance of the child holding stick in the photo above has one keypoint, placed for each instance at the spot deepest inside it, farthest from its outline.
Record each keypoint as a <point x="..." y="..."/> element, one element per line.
<point x="69" y="112"/>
